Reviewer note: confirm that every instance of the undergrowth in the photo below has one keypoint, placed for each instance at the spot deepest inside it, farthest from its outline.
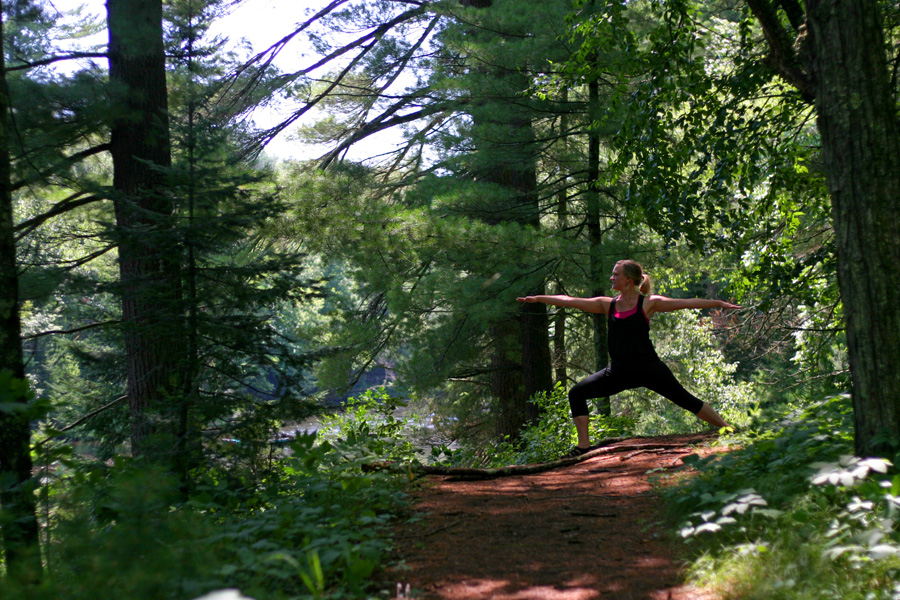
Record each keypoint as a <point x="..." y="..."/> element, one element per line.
<point x="794" y="515"/>
<point x="547" y="440"/>
<point x="313" y="526"/>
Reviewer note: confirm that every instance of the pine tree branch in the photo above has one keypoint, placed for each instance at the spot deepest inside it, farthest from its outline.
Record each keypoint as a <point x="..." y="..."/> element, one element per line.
<point x="81" y="420"/>
<point x="25" y="65"/>
<point x="380" y="124"/>
<point x="263" y="60"/>
<point x="400" y="67"/>
<point x="268" y="55"/>
<point x="367" y="129"/>
<point x="70" y="331"/>
<point x="67" y="161"/>
<point x="63" y="206"/>
<point x="374" y="35"/>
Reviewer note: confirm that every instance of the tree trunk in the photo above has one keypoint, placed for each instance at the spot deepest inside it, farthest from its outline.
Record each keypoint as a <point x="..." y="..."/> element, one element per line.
<point x="861" y="145"/>
<point x="536" y="363"/>
<point x="19" y="524"/>
<point x="521" y="363"/>
<point x="507" y="386"/>
<point x="560" y="356"/>
<point x="148" y="261"/>
<point x="595" y="240"/>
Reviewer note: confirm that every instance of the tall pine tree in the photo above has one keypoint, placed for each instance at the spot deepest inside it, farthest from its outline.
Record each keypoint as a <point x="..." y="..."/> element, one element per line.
<point x="18" y="518"/>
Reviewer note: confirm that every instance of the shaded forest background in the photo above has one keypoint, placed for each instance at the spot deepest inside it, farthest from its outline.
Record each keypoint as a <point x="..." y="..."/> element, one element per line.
<point x="179" y="306"/>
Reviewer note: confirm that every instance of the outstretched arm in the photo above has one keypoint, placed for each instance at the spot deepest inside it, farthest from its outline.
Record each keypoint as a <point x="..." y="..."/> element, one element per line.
<point x="599" y="304"/>
<point x="655" y="304"/>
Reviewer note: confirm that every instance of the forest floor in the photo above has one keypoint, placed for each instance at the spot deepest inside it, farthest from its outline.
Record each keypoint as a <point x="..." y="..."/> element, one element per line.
<point x="591" y="530"/>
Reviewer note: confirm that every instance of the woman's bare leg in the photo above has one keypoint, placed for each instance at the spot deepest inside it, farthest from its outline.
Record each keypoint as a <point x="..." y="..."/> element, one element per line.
<point x="581" y="427"/>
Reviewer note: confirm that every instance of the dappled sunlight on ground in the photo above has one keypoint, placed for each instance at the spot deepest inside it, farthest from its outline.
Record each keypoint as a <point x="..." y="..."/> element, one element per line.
<point x="589" y="531"/>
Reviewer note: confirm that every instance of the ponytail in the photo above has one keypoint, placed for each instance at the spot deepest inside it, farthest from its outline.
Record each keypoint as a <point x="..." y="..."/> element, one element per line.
<point x="646" y="285"/>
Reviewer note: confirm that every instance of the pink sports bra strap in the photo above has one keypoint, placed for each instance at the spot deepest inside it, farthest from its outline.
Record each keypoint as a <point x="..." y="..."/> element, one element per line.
<point x="626" y="314"/>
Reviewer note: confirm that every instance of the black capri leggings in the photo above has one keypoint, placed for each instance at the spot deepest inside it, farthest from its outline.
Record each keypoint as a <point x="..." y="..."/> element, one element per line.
<point x="653" y="375"/>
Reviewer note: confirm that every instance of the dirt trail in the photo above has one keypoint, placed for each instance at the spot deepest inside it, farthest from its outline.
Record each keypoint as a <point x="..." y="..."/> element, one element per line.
<point x="588" y="531"/>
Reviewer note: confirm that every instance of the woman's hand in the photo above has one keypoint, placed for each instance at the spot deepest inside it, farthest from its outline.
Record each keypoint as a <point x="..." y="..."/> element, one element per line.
<point x="600" y="304"/>
<point x="660" y="304"/>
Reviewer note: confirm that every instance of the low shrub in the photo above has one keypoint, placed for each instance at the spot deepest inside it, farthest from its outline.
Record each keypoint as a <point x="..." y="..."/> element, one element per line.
<point x="311" y="525"/>
<point x="548" y="439"/>
<point x="794" y="515"/>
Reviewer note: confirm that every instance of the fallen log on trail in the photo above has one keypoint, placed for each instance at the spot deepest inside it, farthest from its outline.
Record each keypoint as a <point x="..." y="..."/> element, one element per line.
<point x="679" y="449"/>
<point x="607" y="446"/>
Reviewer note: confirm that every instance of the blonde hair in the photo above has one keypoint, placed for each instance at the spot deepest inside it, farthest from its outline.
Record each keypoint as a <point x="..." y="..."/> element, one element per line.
<point x="635" y="272"/>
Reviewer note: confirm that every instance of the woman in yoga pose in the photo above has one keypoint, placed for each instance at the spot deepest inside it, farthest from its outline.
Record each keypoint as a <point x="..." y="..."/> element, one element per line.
<point x="633" y="360"/>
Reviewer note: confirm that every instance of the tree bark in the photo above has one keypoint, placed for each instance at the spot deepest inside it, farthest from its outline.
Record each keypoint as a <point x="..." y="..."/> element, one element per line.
<point x="148" y="265"/>
<point x="560" y="356"/>
<point x="857" y="119"/>
<point x="521" y="362"/>
<point x="506" y="382"/>
<point x="19" y="525"/>
<point x="595" y="241"/>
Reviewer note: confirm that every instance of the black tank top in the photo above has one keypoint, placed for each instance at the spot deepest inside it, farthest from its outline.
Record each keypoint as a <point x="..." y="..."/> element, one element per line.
<point x="628" y="339"/>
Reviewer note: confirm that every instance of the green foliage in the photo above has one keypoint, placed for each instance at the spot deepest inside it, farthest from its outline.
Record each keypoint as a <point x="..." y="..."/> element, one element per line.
<point x="113" y="533"/>
<point x="411" y="279"/>
<point x="548" y="439"/>
<point x="371" y="428"/>
<point x="315" y="526"/>
<point x="554" y="434"/>
<point x="794" y="515"/>
<point x="236" y="364"/>
<point x="316" y="529"/>
<point x="16" y="396"/>
<point x="717" y="151"/>
<point x="772" y="462"/>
